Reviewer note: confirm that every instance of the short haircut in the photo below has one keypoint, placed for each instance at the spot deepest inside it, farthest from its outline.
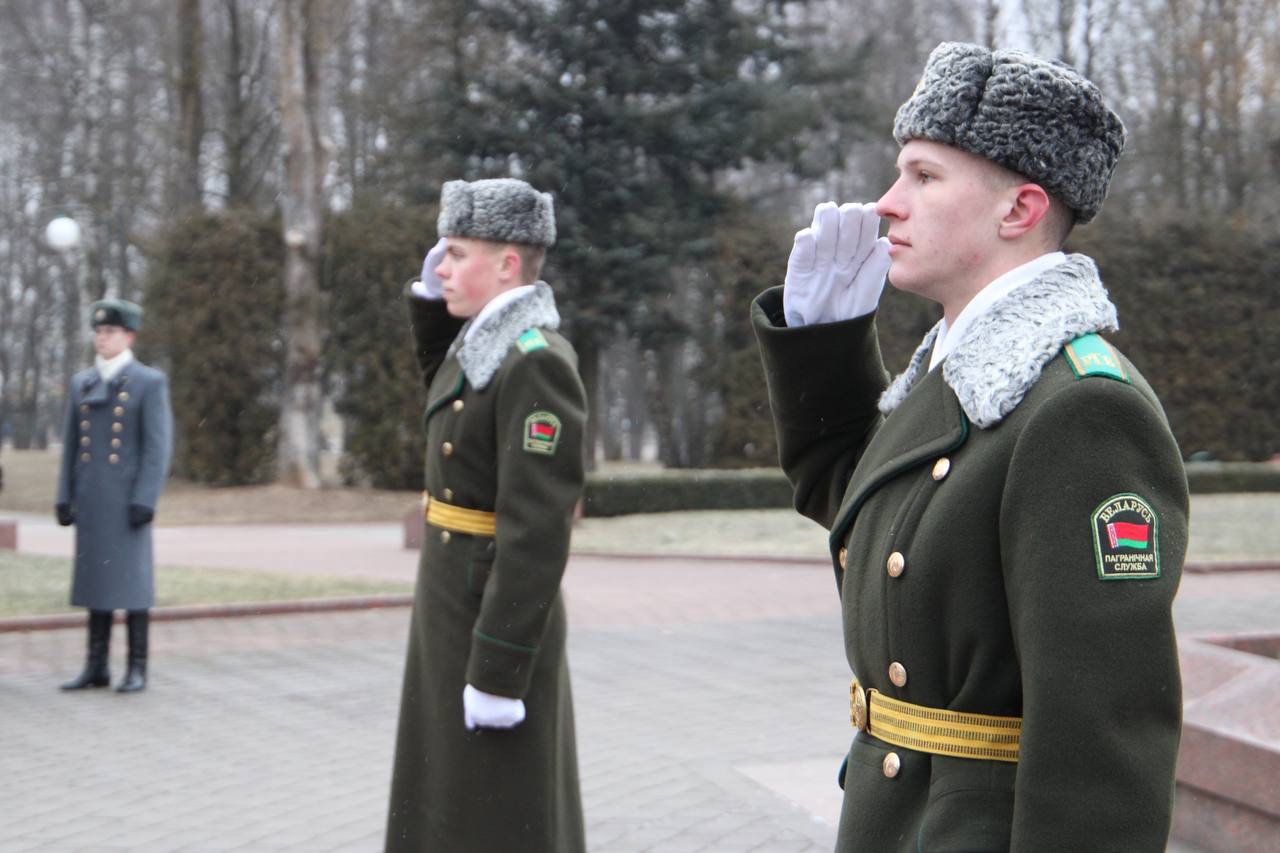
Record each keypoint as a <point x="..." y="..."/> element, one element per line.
<point x="531" y="260"/>
<point x="1058" y="221"/>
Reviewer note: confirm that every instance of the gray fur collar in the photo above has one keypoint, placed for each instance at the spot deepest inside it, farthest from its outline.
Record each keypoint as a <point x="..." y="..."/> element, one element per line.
<point x="1004" y="351"/>
<point x="482" y="353"/>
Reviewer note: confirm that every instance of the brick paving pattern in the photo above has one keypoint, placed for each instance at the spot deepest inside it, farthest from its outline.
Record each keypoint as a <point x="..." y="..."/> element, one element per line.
<point x="710" y="697"/>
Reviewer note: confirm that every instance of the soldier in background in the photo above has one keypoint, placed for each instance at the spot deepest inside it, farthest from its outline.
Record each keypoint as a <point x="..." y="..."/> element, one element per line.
<point x="116" y="444"/>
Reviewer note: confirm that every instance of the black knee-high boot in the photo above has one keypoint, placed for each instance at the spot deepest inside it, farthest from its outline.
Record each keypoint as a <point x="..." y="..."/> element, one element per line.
<point x="136" y="678"/>
<point x="95" y="673"/>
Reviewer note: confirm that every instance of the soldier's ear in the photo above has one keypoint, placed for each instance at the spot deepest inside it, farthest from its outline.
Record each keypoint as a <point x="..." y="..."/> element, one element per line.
<point x="509" y="263"/>
<point x="1026" y="205"/>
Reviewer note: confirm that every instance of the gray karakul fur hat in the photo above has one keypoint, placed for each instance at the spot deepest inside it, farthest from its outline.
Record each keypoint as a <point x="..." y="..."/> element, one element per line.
<point x="505" y="210"/>
<point x="1038" y="117"/>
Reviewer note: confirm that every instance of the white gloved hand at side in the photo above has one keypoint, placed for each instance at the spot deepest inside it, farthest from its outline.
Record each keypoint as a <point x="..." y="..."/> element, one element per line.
<point x="482" y="710"/>
<point x="429" y="285"/>
<point x="837" y="266"/>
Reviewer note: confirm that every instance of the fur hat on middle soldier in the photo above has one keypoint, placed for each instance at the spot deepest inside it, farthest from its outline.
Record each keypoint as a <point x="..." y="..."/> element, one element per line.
<point x="497" y="233"/>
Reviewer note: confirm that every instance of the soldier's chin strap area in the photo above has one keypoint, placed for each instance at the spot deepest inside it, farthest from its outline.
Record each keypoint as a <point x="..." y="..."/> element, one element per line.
<point x="935" y="730"/>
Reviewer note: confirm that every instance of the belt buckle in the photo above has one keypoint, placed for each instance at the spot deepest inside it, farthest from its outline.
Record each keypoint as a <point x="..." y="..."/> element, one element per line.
<point x="857" y="706"/>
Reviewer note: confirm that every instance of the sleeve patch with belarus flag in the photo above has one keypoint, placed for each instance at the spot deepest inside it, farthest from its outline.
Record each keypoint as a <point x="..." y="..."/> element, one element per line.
<point x="1126" y="539"/>
<point x="541" y="433"/>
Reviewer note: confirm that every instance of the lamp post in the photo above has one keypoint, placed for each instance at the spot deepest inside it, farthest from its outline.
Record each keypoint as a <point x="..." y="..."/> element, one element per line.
<point x="62" y="234"/>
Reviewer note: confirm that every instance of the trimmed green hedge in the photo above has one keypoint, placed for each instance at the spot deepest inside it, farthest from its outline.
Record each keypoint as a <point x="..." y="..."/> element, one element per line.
<point x="671" y="490"/>
<point x="1214" y="477"/>
<point x="767" y="488"/>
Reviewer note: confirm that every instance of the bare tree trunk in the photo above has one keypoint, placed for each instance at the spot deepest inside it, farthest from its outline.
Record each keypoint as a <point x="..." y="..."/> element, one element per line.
<point x="657" y="363"/>
<point x="610" y="410"/>
<point x="589" y="370"/>
<point x="1231" y="71"/>
<point x="237" y="180"/>
<point x="306" y="152"/>
<point x="990" y="18"/>
<point x="187" y="184"/>
<point x="1066" y="18"/>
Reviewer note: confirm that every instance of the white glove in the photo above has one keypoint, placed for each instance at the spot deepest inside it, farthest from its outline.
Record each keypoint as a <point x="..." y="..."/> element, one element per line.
<point x="429" y="285"/>
<point x="837" y="266"/>
<point x="482" y="710"/>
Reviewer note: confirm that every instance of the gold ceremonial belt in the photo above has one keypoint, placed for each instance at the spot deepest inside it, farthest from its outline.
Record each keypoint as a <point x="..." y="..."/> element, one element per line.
<point x="935" y="730"/>
<point x="476" y="522"/>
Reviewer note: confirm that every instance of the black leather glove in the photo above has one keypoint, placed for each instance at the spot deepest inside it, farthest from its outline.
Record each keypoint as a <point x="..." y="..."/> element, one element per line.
<point x="65" y="517"/>
<point x="140" y="515"/>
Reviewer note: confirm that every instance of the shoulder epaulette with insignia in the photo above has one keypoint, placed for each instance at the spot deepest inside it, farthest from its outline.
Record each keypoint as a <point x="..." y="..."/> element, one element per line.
<point x="531" y="340"/>
<point x="1090" y="355"/>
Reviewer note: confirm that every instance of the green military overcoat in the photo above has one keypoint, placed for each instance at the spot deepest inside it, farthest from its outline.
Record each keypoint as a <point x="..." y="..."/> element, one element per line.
<point x="1008" y="532"/>
<point x="504" y="424"/>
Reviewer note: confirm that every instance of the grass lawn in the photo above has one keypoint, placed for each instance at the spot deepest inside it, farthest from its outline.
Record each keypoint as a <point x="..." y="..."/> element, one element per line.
<point x="30" y="482"/>
<point x="34" y="586"/>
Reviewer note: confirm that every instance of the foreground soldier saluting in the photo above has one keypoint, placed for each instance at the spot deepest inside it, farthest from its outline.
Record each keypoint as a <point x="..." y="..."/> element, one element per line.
<point x="1008" y="517"/>
<point x="486" y="759"/>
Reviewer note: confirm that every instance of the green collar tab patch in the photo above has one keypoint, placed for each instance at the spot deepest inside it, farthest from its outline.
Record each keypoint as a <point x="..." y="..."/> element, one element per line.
<point x="541" y="433"/>
<point x="531" y="340"/>
<point x="1126" y="539"/>
<point x="1090" y="355"/>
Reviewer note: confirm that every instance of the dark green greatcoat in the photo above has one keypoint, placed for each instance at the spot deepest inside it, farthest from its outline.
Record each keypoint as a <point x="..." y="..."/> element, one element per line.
<point x="488" y="610"/>
<point x="1005" y="605"/>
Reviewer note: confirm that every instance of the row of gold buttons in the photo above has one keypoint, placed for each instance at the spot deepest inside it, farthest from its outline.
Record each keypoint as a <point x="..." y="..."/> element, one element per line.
<point x="894" y="567"/>
<point x="446" y="449"/>
<point x="118" y="411"/>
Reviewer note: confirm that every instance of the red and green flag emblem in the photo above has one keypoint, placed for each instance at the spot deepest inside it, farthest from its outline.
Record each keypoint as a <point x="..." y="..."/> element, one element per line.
<point x="1126" y="538"/>
<point x="541" y="433"/>
<point x="1124" y="534"/>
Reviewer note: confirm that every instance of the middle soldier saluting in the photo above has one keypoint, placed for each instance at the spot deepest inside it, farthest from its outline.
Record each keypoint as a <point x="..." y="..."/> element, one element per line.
<point x="486" y="758"/>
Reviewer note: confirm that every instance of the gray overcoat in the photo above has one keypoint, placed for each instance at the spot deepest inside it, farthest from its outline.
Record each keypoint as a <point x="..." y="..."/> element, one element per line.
<point x="116" y="443"/>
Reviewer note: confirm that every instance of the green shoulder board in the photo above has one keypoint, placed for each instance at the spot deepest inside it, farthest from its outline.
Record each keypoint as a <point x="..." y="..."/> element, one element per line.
<point x="1090" y="355"/>
<point x="531" y="340"/>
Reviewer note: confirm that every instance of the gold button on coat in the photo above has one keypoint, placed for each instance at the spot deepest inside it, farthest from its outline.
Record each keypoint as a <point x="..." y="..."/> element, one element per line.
<point x="117" y="427"/>
<point x="84" y="425"/>
<point x="124" y="396"/>
<point x="447" y="448"/>
<point x="115" y="442"/>
<point x="941" y="468"/>
<point x="897" y="564"/>
<point x="113" y="458"/>
<point x="84" y="408"/>
<point x="892" y="765"/>
<point x="84" y="457"/>
<point x="844" y="557"/>
<point x="119" y="410"/>
<point x="898" y="674"/>
<point x="84" y="441"/>
<point x="445" y="536"/>
<point x="448" y="494"/>
<point x="458" y="405"/>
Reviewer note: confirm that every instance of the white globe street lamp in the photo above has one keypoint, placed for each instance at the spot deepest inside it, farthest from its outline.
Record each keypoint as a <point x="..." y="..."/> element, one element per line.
<point x="62" y="233"/>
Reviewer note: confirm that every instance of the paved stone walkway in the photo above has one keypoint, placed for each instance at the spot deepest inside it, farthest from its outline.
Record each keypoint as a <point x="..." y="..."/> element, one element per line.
<point x="710" y="698"/>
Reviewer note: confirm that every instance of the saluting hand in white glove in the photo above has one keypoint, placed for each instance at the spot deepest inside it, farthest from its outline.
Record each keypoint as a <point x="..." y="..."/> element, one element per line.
<point x="482" y="710"/>
<point x="837" y="266"/>
<point x="429" y="285"/>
